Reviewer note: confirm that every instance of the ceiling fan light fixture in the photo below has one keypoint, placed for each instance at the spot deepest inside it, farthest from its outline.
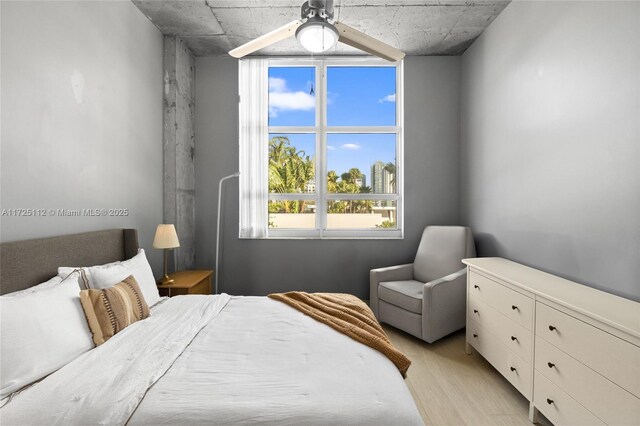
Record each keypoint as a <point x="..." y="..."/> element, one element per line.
<point x="317" y="36"/>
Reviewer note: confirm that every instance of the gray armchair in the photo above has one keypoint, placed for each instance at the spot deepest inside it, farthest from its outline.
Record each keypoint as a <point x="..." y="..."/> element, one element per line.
<point x="426" y="298"/>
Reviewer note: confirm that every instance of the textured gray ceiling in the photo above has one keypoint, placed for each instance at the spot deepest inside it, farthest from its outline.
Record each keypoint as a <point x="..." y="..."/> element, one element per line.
<point x="428" y="27"/>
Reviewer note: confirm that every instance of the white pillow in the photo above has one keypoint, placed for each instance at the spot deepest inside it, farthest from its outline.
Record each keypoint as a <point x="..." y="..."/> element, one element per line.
<point x="40" y="331"/>
<point x="42" y="286"/>
<point x="110" y="274"/>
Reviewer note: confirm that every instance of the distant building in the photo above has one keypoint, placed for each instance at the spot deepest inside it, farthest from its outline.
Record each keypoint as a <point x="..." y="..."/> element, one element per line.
<point x="377" y="178"/>
<point x="382" y="180"/>
<point x="388" y="182"/>
<point x="360" y="182"/>
<point x="311" y="186"/>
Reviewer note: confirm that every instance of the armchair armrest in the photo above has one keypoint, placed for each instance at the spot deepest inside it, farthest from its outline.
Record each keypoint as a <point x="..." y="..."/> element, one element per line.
<point x="444" y="305"/>
<point x="446" y="278"/>
<point x="390" y="273"/>
<point x="393" y="273"/>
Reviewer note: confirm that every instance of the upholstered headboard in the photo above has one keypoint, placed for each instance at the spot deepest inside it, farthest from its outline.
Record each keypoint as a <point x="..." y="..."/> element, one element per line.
<point x="24" y="264"/>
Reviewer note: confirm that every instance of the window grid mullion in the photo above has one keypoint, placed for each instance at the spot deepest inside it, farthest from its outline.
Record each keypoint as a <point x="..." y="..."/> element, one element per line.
<point x="361" y="129"/>
<point x="292" y="197"/>
<point x="321" y="210"/>
<point x="334" y="129"/>
<point x="293" y="129"/>
<point x="400" y="146"/>
<point x="373" y="197"/>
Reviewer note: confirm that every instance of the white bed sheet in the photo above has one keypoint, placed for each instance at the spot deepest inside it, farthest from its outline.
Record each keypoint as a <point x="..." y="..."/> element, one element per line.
<point x="261" y="361"/>
<point x="224" y="361"/>
<point x="105" y="385"/>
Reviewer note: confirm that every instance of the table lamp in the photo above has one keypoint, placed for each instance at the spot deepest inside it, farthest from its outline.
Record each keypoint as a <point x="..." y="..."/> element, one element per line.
<point x="167" y="239"/>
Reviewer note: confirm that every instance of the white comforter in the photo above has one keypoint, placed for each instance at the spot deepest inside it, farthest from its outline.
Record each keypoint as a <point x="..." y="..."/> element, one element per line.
<point x="221" y="360"/>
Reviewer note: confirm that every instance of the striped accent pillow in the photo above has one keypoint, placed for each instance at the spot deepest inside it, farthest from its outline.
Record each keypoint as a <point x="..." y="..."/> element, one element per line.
<point x="110" y="310"/>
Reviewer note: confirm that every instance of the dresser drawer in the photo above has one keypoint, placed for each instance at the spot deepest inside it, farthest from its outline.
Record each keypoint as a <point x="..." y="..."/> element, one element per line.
<point x="515" y="306"/>
<point x="612" y="357"/>
<point x="516" y="370"/>
<point x="558" y="406"/>
<point x="512" y="335"/>
<point x="605" y="399"/>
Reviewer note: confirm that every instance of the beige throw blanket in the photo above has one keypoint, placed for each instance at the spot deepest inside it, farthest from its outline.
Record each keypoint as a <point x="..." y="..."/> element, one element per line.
<point x="348" y="315"/>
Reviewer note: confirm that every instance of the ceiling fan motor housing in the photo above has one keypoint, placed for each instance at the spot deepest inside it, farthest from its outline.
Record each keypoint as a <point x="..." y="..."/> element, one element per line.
<point x="317" y="8"/>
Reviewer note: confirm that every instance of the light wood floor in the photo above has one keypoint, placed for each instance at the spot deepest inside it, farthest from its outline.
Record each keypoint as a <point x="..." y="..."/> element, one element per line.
<point x="453" y="388"/>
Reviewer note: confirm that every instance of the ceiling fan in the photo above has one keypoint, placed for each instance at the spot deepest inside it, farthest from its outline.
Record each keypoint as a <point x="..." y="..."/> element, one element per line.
<point x="316" y="33"/>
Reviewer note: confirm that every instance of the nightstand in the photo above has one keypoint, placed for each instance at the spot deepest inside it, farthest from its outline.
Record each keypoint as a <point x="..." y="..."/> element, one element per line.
<point x="187" y="282"/>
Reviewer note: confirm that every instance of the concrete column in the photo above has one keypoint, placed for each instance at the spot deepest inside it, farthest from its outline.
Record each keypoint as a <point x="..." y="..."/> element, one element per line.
<point x="179" y="147"/>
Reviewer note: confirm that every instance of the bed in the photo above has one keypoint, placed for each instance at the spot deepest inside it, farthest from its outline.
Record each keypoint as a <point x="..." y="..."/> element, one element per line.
<point x="202" y="359"/>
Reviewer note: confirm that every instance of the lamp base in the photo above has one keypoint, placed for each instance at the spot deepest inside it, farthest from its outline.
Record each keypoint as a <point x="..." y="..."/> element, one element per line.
<point x="166" y="280"/>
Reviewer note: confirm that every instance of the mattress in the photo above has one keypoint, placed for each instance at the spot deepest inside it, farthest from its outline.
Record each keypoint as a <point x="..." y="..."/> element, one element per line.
<point x="222" y="360"/>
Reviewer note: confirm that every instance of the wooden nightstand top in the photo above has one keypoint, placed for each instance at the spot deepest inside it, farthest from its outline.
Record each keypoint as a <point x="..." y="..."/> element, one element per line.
<point x="186" y="279"/>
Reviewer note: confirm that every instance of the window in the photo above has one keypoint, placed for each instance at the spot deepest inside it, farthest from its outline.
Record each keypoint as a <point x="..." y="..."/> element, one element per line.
<point x="334" y="137"/>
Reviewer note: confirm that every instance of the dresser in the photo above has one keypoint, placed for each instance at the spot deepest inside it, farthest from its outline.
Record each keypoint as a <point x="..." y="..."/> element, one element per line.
<point x="571" y="350"/>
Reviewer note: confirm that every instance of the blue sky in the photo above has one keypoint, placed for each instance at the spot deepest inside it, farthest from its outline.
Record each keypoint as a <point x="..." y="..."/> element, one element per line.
<point x="363" y="96"/>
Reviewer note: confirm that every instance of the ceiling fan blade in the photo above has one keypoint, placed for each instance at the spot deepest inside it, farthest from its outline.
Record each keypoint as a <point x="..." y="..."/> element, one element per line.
<point x="266" y="40"/>
<point x="361" y="41"/>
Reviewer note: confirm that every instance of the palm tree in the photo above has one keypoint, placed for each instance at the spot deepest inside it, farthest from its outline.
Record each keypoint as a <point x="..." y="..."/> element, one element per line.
<point x="332" y="181"/>
<point x="391" y="168"/>
<point x="354" y="174"/>
<point x="290" y="171"/>
<point x="348" y="185"/>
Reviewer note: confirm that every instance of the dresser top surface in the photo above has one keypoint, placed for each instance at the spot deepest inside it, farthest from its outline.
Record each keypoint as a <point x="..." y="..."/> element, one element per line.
<point x="613" y="310"/>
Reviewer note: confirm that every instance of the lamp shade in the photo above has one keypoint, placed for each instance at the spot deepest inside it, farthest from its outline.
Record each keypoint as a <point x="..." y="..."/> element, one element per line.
<point x="166" y="237"/>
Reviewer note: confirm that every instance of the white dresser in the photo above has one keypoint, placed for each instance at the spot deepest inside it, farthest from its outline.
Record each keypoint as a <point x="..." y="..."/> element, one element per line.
<point x="572" y="350"/>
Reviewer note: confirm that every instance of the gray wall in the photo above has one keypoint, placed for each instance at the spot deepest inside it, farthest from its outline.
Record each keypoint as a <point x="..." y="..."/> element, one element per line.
<point x="551" y="140"/>
<point x="258" y="267"/>
<point x="81" y="117"/>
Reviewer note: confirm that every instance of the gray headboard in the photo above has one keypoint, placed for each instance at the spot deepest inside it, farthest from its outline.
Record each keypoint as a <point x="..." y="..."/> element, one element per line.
<point x="24" y="264"/>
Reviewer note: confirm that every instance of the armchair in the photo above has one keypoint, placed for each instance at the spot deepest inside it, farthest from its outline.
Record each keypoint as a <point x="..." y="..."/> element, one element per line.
<point x="426" y="298"/>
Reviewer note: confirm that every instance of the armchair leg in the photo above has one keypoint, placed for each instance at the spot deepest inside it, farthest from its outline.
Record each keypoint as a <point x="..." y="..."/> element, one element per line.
<point x="467" y="348"/>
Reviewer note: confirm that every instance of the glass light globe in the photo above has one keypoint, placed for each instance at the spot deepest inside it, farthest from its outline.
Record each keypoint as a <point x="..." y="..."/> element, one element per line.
<point x="316" y="36"/>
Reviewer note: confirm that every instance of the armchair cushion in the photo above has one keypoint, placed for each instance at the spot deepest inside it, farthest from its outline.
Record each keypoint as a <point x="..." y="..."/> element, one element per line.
<point x="405" y="294"/>
<point x="390" y="273"/>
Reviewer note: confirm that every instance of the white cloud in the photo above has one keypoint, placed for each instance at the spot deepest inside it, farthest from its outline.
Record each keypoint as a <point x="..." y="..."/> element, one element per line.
<point x="351" y="146"/>
<point x="282" y="99"/>
<point x="277" y="84"/>
<point x="388" y="98"/>
<point x="331" y="147"/>
<point x="331" y="97"/>
<point x="288" y="101"/>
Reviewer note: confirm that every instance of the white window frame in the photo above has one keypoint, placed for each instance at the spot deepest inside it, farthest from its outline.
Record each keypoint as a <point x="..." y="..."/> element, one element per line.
<point x="321" y="129"/>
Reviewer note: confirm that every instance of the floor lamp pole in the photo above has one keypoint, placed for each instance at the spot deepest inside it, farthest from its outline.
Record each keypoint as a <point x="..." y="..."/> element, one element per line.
<point x="236" y="174"/>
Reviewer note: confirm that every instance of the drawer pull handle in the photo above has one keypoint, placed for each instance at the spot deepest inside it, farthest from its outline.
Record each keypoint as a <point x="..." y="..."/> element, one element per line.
<point x="551" y="328"/>
<point x="514" y="307"/>
<point x="551" y="365"/>
<point x="475" y="311"/>
<point x="514" y="338"/>
<point x="512" y="368"/>
<point x="475" y="286"/>
<point x="475" y="335"/>
<point x="549" y="401"/>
